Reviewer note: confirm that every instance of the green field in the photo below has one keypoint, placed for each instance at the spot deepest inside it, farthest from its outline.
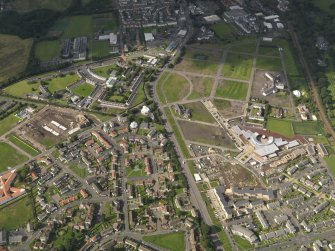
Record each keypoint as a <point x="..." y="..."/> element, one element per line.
<point x="8" y="123"/>
<point x="202" y="87"/>
<point x="199" y="112"/>
<point x="172" y="242"/>
<point x="100" y="49"/>
<point x="136" y="171"/>
<point x="80" y="171"/>
<point x="290" y="63"/>
<point x="232" y="90"/>
<point x="222" y="30"/>
<point x="30" y="5"/>
<point x="331" y="163"/>
<point x="14" y="55"/>
<point x="60" y="83"/>
<point x="10" y="156"/>
<point x="221" y="104"/>
<point x="307" y="128"/>
<point x="75" y="26"/>
<point x="16" y="214"/>
<point x="83" y="90"/>
<point x="242" y="243"/>
<point x="283" y="127"/>
<point x="268" y="50"/>
<point x="238" y="66"/>
<point x="174" y="87"/>
<point x="104" y="71"/>
<point x="23" y="145"/>
<point x="245" y="44"/>
<point x="269" y="63"/>
<point x="206" y="67"/>
<point x="47" y="50"/>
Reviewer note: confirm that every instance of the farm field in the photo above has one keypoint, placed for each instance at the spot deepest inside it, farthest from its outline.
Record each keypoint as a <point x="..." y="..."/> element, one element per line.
<point x="8" y="123"/>
<point x="238" y="66"/>
<point x="23" y="145"/>
<point x="14" y="55"/>
<point x="283" y="127"/>
<point x="232" y="90"/>
<point x="174" y="87"/>
<point x="202" y="87"/>
<point x="83" y="90"/>
<point x="307" y="128"/>
<point x="269" y="63"/>
<point x="172" y="242"/>
<point x="30" y="5"/>
<point x="198" y="66"/>
<point x="16" y="214"/>
<point x="10" y="157"/>
<point x="222" y="30"/>
<point x="199" y="112"/>
<point x="47" y="50"/>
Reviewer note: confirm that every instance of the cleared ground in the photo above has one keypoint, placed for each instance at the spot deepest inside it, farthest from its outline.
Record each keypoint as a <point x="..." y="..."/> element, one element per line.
<point x="280" y="126"/>
<point x="211" y="135"/>
<point x="202" y="87"/>
<point x="238" y="66"/>
<point x="14" y="55"/>
<point x="199" y="112"/>
<point x="232" y="90"/>
<point x="10" y="157"/>
<point x="172" y="242"/>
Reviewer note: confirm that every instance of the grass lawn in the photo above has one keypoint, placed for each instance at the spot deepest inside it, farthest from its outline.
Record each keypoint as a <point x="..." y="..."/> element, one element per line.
<point x="331" y="163"/>
<point x="269" y="64"/>
<point x="23" y="145"/>
<point x="245" y="44"/>
<point x="268" y="50"/>
<point x="176" y="132"/>
<point x="8" y="123"/>
<point x="68" y="239"/>
<point x="206" y="67"/>
<point x="173" y="241"/>
<point x="104" y="71"/>
<point x="221" y="104"/>
<point x="140" y="96"/>
<point x="16" y="214"/>
<point x="242" y="243"/>
<point x="47" y="50"/>
<point x="163" y="78"/>
<point x="30" y="5"/>
<point x="222" y="30"/>
<point x="75" y="26"/>
<point x="199" y="112"/>
<point x="14" y="55"/>
<point x="61" y="83"/>
<point x="307" y="128"/>
<point x="175" y="87"/>
<point x="100" y="49"/>
<point x="290" y="63"/>
<point x="202" y="87"/>
<point x="10" y="157"/>
<point x="232" y="90"/>
<point x="83" y="90"/>
<point x="280" y="126"/>
<point x="80" y="171"/>
<point x="238" y="66"/>
<point x="135" y="172"/>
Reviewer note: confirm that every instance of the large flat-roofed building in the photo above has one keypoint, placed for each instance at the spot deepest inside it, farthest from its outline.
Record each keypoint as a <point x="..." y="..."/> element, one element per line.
<point x="265" y="194"/>
<point x="245" y="233"/>
<point x="218" y="192"/>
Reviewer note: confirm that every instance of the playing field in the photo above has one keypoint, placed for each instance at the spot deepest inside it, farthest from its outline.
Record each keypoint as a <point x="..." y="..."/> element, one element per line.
<point x="47" y="50"/>
<point x="307" y="128"/>
<point x="83" y="90"/>
<point x="269" y="64"/>
<point x="8" y="123"/>
<point x="174" y="87"/>
<point x="199" y="112"/>
<point x="232" y="90"/>
<point x="10" y="156"/>
<point x="222" y="30"/>
<point x="283" y="127"/>
<point x="23" y="145"/>
<point x="172" y="242"/>
<point x="30" y="5"/>
<point x="238" y="66"/>
<point x="16" y="214"/>
<point x="14" y="55"/>
<point x="202" y="87"/>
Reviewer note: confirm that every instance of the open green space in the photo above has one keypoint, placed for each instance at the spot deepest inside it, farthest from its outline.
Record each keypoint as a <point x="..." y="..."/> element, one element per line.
<point x="23" y="145"/>
<point x="268" y="49"/>
<point x="280" y="126"/>
<point x="199" y="112"/>
<point x="172" y="242"/>
<point x="8" y="123"/>
<point x="61" y="82"/>
<point x="202" y="87"/>
<point x="199" y="66"/>
<point x="10" y="156"/>
<point x="30" y="5"/>
<point x="222" y="30"/>
<point x="47" y="50"/>
<point x="14" y="55"/>
<point x="140" y="96"/>
<point x="100" y="49"/>
<point x="80" y="171"/>
<point x="159" y="86"/>
<point x="269" y="63"/>
<point x="307" y="128"/>
<point x="232" y="90"/>
<point x="221" y="104"/>
<point x="243" y="44"/>
<point x="83" y="90"/>
<point x="331" y="163"/>
<point x="176" y="132"/>
<point x="238" y="66"/>
<point x="74" y="26"/>
<point x="136" y="169"/>
<point x="290" y="63"/>
<point x="242" y="243"/>
<point x="104" y="71"/>
<point x="16" y="214"/>
<point x="67" y="239"/>
<point x="175" y="87"/>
